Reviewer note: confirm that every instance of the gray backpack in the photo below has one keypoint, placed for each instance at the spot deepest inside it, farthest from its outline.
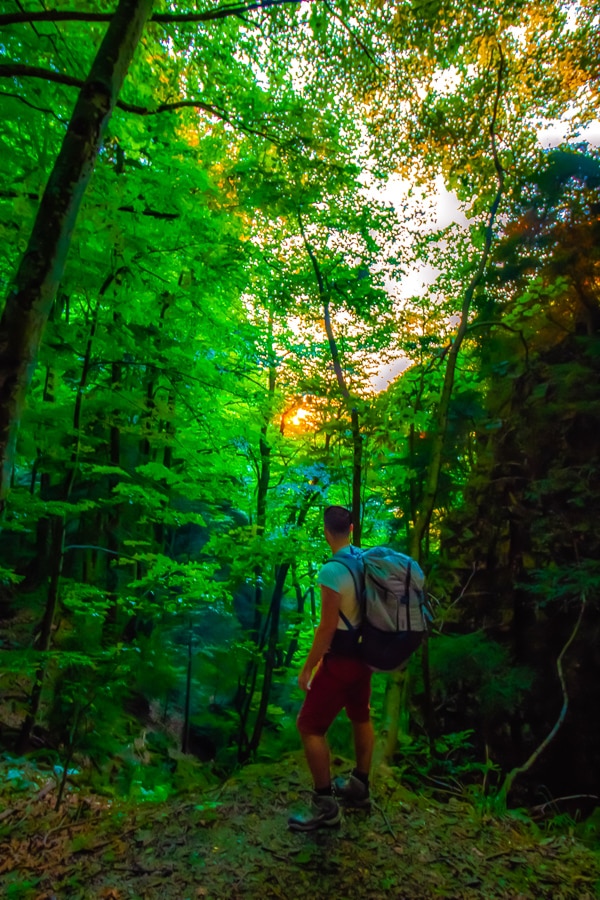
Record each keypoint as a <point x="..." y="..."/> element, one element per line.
<point x="395" y="617"/>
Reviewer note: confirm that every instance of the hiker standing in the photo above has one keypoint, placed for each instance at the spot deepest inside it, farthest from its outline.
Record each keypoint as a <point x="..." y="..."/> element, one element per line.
<point x="334" y="677"/>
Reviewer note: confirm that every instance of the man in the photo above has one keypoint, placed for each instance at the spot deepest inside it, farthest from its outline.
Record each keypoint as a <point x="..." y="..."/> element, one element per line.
<point x="341" y="680"/>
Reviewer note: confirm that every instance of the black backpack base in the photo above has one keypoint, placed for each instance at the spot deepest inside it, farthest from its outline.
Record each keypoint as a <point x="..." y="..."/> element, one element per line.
<point x="385" y="651"/>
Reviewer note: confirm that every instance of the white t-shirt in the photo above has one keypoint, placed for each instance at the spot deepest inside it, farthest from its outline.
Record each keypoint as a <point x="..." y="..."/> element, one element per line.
<point x="337" y="577"/>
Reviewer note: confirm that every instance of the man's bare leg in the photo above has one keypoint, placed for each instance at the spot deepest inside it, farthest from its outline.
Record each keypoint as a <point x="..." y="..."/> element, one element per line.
<point x="316" y="751"/>
<point x="324" y="811"/>
<point x="364" y="742"/>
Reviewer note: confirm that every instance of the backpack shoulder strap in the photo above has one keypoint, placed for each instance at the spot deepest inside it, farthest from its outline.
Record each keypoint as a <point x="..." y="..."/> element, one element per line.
<point x="357" y="573"/>
<point x="407" y="591"/>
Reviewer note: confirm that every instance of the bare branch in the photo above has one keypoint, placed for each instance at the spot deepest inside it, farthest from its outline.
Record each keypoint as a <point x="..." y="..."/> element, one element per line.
<point x="542" y="807"/>
<point x="520" y="770"/>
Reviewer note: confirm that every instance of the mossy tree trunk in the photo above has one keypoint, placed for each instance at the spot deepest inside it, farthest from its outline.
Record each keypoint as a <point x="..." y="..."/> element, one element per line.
<point x="41" y="268"/>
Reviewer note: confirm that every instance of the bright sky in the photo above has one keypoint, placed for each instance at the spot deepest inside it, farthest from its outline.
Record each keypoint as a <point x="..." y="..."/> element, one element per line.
<point x="447" y="209"/>
<point x="556" y="132"/>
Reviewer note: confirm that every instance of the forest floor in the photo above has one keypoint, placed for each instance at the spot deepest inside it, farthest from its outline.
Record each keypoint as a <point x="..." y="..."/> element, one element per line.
<point x="232" y="842"/>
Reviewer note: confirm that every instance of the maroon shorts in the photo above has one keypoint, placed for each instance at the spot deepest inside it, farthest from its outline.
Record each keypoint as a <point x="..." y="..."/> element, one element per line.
<point x="339" y="682"/>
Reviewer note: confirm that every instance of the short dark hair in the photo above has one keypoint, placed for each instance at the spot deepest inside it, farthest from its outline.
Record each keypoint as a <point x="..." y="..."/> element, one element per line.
<point x="338" y="520"/>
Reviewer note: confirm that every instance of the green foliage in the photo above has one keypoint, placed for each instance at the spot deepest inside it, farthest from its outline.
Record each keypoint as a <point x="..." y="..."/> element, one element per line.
<point x="482" y="669"/>
<point x="9" y="576"/>
<point x="588" y="831"/>
<point x="449" y="766"/>
<point x="564" y="585"/>
<point x="163" y="533"/>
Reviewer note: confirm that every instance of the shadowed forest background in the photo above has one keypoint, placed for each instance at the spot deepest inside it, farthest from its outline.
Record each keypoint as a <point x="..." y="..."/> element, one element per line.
<point x="219" y="232"/>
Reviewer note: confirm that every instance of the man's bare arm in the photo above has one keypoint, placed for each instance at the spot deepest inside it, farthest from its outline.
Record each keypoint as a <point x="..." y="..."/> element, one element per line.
<point x="330" y="611"/>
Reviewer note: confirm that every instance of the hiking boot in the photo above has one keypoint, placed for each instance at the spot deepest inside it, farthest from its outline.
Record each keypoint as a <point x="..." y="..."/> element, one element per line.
<point x="325" y="813"/>
<point x="352" y="792"/>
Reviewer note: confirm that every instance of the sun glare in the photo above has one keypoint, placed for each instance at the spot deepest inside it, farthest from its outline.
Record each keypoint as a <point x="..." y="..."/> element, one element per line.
<point x="300" y="417"/>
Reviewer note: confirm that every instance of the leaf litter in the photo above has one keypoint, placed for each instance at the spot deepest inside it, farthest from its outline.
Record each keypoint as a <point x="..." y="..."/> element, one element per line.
<point x="232" y="842"/>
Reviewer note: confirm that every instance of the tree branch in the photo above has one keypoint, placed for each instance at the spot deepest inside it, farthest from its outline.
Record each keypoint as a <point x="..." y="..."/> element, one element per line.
<point x="153" y="213"/>
<point x="357" y="439"/>
<point x="222" y="12"/>
<point x="11" y="194"/>
<point x="360" y="43"/>
<point x="325" y="298"/>
<point x="97" y="547"/>
<point x="42" y="109"/>
<point x="520" y="770"/>
<point x="21" y="70"/>
<point x="423" y="517"/>
<point x="498" y="324"/>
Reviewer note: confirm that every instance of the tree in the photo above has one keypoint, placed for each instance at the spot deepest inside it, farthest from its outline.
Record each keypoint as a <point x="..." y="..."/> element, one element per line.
<point x="204" y="377"/>
<point x="36" y="281"/>
<point x="38" y="276"/>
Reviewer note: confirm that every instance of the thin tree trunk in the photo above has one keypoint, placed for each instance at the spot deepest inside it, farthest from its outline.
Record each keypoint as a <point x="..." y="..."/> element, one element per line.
<point x="40" y="565"/>
<point x="77" y="413"/>
<point x="40" y="271"/>
<point x="247" y="687"/>
<point x="110" y="521"/>
<point x="272" y="636"/>
<point x="341" y="380"/>
<point x="185" y="737"/>
<point x="300" y="604"/>
<point x="169" y="431"/>
<point x="427" y="503"/>
<point x="357" y="463"/>
<point x="354" y="417"/>
<point x="396" y="702"/>
<point x="59" y="525"/>
<point x="42" y="643"/>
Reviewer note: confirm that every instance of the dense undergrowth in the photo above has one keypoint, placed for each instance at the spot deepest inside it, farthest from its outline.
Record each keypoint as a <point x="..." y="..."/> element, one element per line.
<point x="229" y="839"/>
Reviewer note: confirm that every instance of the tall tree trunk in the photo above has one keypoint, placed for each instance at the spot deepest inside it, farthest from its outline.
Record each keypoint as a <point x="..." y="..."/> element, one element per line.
<point x="300" y="604"/>
<point x="395" y="713"/>
<point x="354" y="420"/>
<point x="40" y="271"/>
<point x="427" y="504"/>
<point x="42" y="557"/>
<point x="264" y="479"/>
<point x="269" y="656"/>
